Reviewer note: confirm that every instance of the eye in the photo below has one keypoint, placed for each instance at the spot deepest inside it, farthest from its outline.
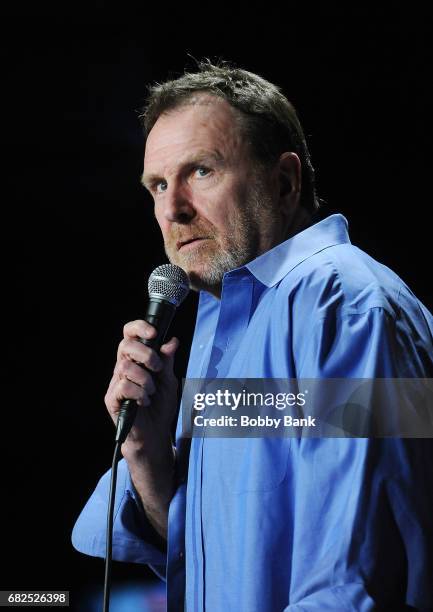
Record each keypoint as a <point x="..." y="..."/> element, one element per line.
<point x="160" y="187"/>
<point x="201" y="171"/>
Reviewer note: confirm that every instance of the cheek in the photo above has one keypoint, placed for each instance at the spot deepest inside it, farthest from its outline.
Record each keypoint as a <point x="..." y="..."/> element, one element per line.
<point x="219" y="207"/>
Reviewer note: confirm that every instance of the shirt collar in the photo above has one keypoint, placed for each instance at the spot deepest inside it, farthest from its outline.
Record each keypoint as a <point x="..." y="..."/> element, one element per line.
<point x="274" y="265"/>
<point x="271" y="267"/>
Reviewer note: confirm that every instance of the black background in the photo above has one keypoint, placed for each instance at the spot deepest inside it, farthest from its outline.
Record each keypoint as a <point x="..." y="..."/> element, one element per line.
<point x="79" y="238"/>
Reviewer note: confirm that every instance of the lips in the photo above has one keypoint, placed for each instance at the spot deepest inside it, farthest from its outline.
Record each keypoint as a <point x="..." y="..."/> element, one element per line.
<point x="182" y="243"/>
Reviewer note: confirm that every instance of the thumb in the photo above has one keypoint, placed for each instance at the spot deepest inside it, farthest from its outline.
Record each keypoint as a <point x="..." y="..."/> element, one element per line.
<point x="168" y="351"/>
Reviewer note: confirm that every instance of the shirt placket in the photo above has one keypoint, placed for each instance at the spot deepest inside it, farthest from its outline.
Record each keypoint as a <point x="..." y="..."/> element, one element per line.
<point x="232" y="323"/>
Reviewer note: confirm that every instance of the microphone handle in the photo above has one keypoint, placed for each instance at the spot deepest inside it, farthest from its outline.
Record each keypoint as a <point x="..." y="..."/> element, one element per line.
<point x="160" y="314"/>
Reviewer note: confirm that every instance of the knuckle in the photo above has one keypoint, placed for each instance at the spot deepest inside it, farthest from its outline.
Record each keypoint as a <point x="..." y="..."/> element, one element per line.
<point x="120" y="349"/>
<point x="122" y="368"/>
<point x="109" y="402"/>
<point x="128" y="328"/>
<point x="123" y="344"/>
<point x="136" y="328"/>
<point x="144" y="354"/>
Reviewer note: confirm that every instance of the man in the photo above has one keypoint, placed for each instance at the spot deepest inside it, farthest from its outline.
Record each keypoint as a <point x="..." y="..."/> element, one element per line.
<point x="265" y="524"/>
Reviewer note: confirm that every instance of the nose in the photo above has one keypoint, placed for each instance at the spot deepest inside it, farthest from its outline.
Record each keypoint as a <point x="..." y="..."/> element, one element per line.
<point x="178" y="206"/>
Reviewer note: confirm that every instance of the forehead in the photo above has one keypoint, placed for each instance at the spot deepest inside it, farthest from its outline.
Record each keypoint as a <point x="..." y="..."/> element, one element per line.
<point x="204" y="123"/>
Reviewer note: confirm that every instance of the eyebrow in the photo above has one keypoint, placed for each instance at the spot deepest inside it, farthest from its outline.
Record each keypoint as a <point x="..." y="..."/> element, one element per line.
<point x="147" y="180"/>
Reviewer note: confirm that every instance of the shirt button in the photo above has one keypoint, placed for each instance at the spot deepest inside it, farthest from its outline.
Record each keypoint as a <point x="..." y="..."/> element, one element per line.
<point x="181" y="555"/>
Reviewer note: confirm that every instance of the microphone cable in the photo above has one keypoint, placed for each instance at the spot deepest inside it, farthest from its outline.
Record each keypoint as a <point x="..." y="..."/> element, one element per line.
<point x="109" y="542"/>
<point x="168" y="286"/>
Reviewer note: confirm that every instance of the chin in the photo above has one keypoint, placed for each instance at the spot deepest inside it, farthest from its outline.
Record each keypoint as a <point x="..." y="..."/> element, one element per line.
<point x="198" y="262"/>
<point x="205" y="267"/>
<point x="203" y="276"/>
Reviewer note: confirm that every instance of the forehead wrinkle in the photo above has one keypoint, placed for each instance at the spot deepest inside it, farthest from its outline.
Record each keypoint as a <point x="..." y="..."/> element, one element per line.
<point x="211" y="128"/>
<point x="188" y="159"/>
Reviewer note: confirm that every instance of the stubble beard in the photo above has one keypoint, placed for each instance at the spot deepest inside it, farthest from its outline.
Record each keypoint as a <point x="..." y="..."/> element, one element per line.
<point x="207" y="263"/>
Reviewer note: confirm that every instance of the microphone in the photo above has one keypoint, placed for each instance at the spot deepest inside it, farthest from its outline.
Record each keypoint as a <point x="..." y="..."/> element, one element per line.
<point x="168" y="286"/>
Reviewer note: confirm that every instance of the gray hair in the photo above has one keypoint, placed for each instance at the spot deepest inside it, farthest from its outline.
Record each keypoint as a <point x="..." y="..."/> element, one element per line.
<point x="268" y="120"/>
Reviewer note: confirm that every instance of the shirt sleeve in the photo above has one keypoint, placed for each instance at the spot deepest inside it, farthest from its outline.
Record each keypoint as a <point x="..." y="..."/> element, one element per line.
<point x="363" y="506"/>
<point x="133" y="536"/>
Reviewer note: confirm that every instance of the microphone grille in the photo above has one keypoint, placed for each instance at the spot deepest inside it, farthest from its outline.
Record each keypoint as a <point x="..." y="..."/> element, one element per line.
<point x="169" y="282"/>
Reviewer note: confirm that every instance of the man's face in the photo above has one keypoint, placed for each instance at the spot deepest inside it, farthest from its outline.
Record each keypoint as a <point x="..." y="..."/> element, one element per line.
<point x="213" y="205"/>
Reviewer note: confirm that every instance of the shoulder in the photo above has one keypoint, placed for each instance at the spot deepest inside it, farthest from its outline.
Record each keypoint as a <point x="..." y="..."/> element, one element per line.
<point x="344" y="305"/>
<point x="343" y="280"/>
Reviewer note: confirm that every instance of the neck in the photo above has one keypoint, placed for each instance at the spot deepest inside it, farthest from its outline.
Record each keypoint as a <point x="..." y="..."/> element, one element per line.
<point x="299" y="220"/>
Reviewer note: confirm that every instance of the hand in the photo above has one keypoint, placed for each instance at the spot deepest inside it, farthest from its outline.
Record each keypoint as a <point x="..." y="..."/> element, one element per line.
<point x="143" y="375"/>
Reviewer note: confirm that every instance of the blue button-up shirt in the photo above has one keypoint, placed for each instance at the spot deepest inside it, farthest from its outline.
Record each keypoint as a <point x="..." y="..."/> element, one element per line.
<point x="299" y="524"/>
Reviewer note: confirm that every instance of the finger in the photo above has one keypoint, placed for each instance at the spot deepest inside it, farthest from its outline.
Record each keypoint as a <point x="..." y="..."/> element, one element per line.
<point x="139" y="329"/>
<point x="125" y="389"/>
<point x="168" y="352"/>
<point x="136" y="374"/>
<point x="134" y="350"/>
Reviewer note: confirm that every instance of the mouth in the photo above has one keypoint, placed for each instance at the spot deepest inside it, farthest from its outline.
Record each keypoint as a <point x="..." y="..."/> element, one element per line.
<point x="185" y="244"/>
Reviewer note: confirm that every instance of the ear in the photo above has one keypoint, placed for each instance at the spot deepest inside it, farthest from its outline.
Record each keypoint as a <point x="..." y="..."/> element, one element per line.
<point x="289" y="179"/>
<point x="294" y="217"/>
